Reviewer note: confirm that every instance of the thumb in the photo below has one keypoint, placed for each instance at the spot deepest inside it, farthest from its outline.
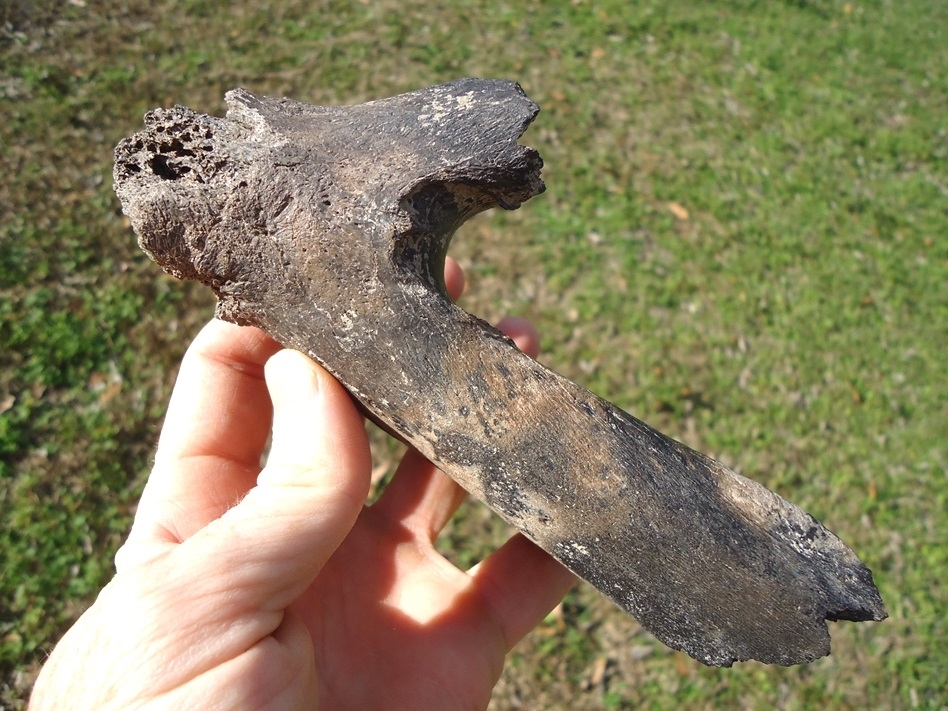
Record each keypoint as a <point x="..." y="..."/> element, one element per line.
<point x="308" y="496"/>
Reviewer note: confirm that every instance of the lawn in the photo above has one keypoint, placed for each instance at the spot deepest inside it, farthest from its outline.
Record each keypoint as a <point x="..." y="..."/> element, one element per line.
<point x="744" y="242"/>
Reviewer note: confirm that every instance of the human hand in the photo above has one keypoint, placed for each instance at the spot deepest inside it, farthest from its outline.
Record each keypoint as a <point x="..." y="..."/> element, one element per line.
<point x="242" y="588"/>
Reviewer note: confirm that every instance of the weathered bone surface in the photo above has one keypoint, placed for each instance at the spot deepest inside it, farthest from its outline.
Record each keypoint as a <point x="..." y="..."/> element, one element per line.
<point x="327" y="227"/>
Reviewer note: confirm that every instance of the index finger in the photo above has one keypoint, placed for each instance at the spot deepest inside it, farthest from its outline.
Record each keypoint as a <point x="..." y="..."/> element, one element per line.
<point x="215" y="430"/>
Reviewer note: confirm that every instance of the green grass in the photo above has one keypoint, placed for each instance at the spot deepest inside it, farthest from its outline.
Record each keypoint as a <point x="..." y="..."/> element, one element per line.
<point x="793" y="324"/>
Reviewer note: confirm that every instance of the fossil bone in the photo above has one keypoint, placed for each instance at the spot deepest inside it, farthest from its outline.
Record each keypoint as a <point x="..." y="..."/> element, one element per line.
<point x="327" y="227"/>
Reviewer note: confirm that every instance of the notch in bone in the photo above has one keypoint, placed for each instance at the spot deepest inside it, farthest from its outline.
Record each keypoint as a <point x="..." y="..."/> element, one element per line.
<point x="327" y="227"/>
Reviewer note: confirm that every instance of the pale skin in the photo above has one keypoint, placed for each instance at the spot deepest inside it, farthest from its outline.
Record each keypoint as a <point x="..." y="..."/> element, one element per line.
<point x="242" y="588"/>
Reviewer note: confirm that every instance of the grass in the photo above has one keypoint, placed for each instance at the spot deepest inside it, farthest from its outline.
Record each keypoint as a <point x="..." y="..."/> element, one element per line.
<point x="743" y="242"/>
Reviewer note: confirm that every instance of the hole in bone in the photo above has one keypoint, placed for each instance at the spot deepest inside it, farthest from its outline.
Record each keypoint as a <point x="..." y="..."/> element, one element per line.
<point x="163" y="168"/>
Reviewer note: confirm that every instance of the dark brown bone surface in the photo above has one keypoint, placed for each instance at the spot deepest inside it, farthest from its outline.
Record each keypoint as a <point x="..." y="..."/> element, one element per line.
<point x="327" y="227"/>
